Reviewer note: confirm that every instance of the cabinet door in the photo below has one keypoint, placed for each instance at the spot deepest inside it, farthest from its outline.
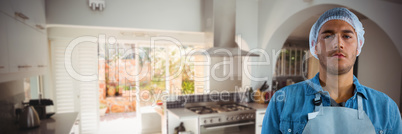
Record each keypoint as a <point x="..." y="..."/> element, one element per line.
<point x="41" y="51"/>
<point x="258" y="129"/>
<point x="29" y="12"/>
<point x="40" y="15"/>
<point x="6" y="7"/>
<point x="34" y="10"/>
<point x="23" y="10"/>
<point x="3" y="44"/>
<point x="20" y="46"/>
<point x="259" y="118"/>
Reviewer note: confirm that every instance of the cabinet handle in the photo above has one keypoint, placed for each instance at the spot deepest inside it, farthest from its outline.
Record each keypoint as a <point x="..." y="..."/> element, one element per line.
<point x="26" y="66"/>
<point x="41" y="65"/>
<point x="40" y="27"/>
<point x="21" y="15"/>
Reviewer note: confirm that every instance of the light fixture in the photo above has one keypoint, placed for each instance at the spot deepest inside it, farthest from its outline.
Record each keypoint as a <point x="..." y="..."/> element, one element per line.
<point x="97" y="4"/>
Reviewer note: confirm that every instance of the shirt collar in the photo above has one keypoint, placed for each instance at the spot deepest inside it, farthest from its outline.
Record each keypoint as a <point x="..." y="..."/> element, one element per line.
<point x="315" y="86"/>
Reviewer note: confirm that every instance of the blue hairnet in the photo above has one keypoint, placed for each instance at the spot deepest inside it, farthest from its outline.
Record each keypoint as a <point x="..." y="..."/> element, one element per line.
<point x="337" y="14"/>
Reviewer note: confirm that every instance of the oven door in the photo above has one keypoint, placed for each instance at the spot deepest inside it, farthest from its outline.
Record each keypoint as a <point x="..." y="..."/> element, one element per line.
<point x="229" y="128"/>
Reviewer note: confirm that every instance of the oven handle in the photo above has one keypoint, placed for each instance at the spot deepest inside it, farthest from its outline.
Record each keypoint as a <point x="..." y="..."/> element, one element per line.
<point x="230" y="125"/>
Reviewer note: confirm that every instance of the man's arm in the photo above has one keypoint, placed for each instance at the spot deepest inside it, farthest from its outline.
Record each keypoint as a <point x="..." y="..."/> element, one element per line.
<point x="270" y="124"/>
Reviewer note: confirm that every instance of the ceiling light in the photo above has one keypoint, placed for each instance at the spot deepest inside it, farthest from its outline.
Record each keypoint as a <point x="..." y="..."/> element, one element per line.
<point x="97" y="4"/>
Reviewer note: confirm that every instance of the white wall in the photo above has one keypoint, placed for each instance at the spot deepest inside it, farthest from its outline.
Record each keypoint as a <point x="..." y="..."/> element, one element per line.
<point x="180" y="15"/>
<point x="277" y="20"/>
<point x="379" y="63"/>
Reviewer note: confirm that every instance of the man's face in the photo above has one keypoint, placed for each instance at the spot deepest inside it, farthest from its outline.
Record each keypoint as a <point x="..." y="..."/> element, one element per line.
<point x="337" y="47"/>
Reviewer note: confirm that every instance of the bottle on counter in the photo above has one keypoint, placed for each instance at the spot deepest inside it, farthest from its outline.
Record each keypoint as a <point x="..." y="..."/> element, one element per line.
<point x="180" y="128"/>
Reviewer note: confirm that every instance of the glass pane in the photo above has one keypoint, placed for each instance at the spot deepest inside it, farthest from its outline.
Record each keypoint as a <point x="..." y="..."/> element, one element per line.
<point x="292" y="62"/>
<point x="298" y="61"/>
<point x="287" y="62"/>
<point x="31" y="88"/>
<point x="305" y="63"/>
<point x="278" y="67"/>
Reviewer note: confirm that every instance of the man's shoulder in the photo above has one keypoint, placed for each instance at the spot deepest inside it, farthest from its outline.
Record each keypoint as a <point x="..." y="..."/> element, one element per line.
<point x="386" y="110"/>
<point x="295" y="89"/>
<point x="296" y="86"/>
<point x="375" y="94"/>
<point x="380" y="99"/>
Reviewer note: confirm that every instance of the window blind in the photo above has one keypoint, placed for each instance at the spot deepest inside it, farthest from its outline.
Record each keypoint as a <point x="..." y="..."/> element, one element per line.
<point x="72" y="95"/>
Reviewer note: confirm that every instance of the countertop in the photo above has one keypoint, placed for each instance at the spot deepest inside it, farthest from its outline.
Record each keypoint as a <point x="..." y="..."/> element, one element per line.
<point x="182" y="113"/>
<point x="159" y="110"/>
<point x="256" y="106"/>
<point x="57" y="124"/>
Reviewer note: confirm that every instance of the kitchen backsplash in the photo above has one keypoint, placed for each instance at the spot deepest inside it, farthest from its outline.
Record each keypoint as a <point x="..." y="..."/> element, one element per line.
<point x="11" y="96"/>
<point x="184" y="99"/>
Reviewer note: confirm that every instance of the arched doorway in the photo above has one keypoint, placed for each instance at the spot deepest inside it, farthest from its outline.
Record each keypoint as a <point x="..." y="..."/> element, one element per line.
<point x="379" y="67"/>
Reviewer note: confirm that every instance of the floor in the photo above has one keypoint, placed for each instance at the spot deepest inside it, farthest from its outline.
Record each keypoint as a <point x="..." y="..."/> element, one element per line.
<point x="118" y="123"/>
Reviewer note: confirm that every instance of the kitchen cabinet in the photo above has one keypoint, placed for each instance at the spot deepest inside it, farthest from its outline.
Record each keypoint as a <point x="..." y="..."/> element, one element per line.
<point x="23" y="39"/>
<point x="30" y="12"/>
<point x="3" y="45"/>
<point x="76" y="127"/>
<point x="42" y="51"/>
<point x="259" y="117"/>
<point x="176" y="116"/>
<point x="21" y="42"/>
<point x="6" y="8"/>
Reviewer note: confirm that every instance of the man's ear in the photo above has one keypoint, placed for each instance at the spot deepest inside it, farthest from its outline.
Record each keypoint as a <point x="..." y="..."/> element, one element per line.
<point x="360" y="46"/>
<point x="315" y="46"/>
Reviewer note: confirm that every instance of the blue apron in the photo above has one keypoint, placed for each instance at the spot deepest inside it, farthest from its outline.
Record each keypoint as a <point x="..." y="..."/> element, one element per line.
<point x="338" y="120"/>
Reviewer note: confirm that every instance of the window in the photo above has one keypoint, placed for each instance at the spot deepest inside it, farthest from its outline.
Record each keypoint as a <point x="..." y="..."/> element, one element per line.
<point x="153" y="70"/>
<point x="290" y="62"/>
<point x="33" y="88"/>
<point x="74" y="95"/>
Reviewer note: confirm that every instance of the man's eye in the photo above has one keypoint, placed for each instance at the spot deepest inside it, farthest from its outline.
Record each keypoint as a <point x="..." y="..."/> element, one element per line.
<point x="347" y="37"/>
<point x="327" y="36"/>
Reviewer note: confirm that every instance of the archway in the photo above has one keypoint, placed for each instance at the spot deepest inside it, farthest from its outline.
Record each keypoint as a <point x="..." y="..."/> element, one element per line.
<point x="275" y="42"/>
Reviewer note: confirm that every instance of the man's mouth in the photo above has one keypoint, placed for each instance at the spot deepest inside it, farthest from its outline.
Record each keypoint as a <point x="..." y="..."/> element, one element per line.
<point x="339" y="55"/>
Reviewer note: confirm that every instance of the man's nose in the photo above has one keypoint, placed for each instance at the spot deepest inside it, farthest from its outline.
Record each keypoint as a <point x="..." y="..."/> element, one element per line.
<point x="338" y="44"/>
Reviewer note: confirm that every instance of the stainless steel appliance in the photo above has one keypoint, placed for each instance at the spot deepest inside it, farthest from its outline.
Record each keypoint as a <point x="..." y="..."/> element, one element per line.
<point x="220" y="28"/>
<point x="40" y="107"/>
<point x="224" y="117"/>
<point x="29" y="118"/>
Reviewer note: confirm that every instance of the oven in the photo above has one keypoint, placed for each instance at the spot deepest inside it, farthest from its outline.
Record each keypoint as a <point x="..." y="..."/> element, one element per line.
<point x="224" y="118"/>
<point x="241" y="122"/>
<point x="244" y="127"/>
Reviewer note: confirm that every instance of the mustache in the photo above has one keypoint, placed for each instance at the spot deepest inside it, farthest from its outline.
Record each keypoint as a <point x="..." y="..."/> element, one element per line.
<point x="332" y="52"/>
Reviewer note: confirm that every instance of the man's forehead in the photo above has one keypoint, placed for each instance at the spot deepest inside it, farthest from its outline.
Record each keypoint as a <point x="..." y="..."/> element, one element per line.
<point x="336" y="25"/>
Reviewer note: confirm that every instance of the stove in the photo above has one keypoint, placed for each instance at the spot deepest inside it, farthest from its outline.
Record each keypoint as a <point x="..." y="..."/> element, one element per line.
<point x="218" y="108"/>
<point x="216" y="117"/>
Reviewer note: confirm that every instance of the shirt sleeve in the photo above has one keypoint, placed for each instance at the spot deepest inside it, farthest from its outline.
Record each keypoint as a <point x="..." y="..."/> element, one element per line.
<point x="397" y="126"/>
<point x="270" y="124"/>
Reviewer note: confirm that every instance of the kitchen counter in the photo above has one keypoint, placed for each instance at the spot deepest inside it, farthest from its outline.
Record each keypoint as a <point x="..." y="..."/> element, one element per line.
<point x="159" y="110"/>
<point x="256" y="106"/>
<point x="182" y="113"/>
<point x="57" y="124"/>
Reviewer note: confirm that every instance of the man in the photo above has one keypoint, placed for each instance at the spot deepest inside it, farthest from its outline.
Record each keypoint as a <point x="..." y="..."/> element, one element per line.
<point x="333" y="101"/>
